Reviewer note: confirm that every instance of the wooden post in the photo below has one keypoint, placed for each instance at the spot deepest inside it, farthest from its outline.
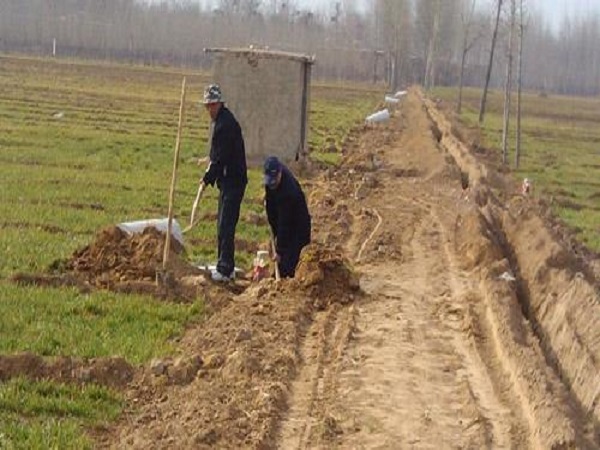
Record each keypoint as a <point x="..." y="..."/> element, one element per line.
<point x="174" y="178"/>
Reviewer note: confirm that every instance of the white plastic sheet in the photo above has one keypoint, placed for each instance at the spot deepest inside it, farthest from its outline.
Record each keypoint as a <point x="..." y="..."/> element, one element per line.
<point x="379" y="116"/>
<point x="159" y="224"/>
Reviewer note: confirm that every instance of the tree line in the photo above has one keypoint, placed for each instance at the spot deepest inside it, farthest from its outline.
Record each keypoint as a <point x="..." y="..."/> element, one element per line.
<point x="398" y="42"/>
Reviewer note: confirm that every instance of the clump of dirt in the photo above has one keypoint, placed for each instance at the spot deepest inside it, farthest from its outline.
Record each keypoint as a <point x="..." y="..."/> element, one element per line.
<point x="327" y="276"/>
<point x="113" y="372"/>
<point x="121" y="262"/>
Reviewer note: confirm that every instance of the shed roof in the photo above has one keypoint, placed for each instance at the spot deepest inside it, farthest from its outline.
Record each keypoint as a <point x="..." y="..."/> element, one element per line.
<point x="264" y="53"/>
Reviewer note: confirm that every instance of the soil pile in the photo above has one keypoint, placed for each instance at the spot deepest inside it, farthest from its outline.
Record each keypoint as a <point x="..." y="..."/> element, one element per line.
<point x="122" y="262"/>
<point x="327" y="276"/>
<point x="476" y="243"/>
<point x="116" y="256"/>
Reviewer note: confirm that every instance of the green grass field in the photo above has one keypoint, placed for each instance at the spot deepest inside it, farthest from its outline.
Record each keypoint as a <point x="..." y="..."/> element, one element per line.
<point x="560" y="151"/>
<point x="84" y="146"/>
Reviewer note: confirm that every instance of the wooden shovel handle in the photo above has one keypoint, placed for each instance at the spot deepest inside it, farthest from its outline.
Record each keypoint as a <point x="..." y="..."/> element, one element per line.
<point x="174" y="177"/>
<point x="274" y="250"/>
<point x="193" y="222"/>
<point x="196" y="201"/>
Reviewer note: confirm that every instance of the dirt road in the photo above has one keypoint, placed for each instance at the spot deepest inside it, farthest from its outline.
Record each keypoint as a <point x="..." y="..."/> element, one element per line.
<point x="473" y="328"/>
<point x="422" y="365"/>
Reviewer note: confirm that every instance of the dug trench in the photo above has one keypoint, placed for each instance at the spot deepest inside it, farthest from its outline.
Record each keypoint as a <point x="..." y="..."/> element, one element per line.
<point x="435" y="309"/>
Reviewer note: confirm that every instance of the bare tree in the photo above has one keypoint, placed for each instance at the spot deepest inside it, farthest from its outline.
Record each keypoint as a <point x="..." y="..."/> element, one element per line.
<point x="392" y="19"/>
<point x="429" y="80"/>
<point x="508" y="83"/>
<point x="490" y="63"/>
<point x="467" y="12"/>
<point x="395" y="40"/>
<point x="519" y="84"/>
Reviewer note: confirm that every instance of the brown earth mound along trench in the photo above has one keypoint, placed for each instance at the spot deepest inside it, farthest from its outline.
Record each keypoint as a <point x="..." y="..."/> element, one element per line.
<point x="560" y="293"/>
<point x="553" y="287"/>
<point x="525" y="401"/>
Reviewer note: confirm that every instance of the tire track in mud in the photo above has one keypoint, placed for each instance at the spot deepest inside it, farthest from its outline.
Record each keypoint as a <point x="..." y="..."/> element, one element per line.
<point x="504" y="414"/>
<point x="417" y="374"/>
<point x="308" y="420"/>
<point x="501" y="408"/>
<point x="427" y="366"/>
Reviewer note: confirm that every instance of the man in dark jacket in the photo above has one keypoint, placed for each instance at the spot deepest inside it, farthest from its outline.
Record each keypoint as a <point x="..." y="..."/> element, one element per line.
<point x="227" y="169"/>
<point x="287" y="213"/>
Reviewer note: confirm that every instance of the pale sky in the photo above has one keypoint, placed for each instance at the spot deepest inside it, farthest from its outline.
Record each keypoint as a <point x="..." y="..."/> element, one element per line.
<point x="553" y="10"/>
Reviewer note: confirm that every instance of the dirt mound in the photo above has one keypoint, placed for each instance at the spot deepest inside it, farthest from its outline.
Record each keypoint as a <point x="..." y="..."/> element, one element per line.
<point x="327" y="276"/>
<point x="114" y="372"/>
<point x="561" y="298"/>
<point x="116" y="256"/>
<point x="121" y="262"/>
<point x="228" y="386"/>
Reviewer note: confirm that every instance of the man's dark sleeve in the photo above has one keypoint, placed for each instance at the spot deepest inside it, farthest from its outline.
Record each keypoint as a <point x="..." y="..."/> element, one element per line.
<point x="214" y="167"/>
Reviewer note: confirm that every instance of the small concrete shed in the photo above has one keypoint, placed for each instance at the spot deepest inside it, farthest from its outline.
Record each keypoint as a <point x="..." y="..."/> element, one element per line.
<point x="269" y="94"/>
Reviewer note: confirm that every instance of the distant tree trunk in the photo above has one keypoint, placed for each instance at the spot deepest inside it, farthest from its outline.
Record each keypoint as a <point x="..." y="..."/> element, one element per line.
<point x="396" y="73"/>
<point x="508" y="84"/>
<point x="519" y="86"/>
<point x="393" y="19"/>
<point x="460" y="81"/>
<point x="489" y="68"/>
<point x="429" y="81"/>
<point x="466" y="46"/>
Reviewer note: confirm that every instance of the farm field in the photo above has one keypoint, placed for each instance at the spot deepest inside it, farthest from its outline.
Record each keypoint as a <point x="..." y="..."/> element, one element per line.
<point x="84" y="146"/>
<point x="436" y="306"/>
<point x="560" y="151"/>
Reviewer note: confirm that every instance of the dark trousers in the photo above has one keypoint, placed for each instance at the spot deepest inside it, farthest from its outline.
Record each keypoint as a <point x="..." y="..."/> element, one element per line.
<point x="230" y="199"/>
<point x="288" y="261"/>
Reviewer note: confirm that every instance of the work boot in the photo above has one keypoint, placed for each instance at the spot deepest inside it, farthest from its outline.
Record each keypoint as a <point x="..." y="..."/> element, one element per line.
<point x="215" y="275"/>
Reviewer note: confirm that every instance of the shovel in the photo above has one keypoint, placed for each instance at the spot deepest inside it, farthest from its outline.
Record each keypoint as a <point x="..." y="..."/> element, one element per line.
<point x="193" y="222"/>
<point x="272" y="243"/>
